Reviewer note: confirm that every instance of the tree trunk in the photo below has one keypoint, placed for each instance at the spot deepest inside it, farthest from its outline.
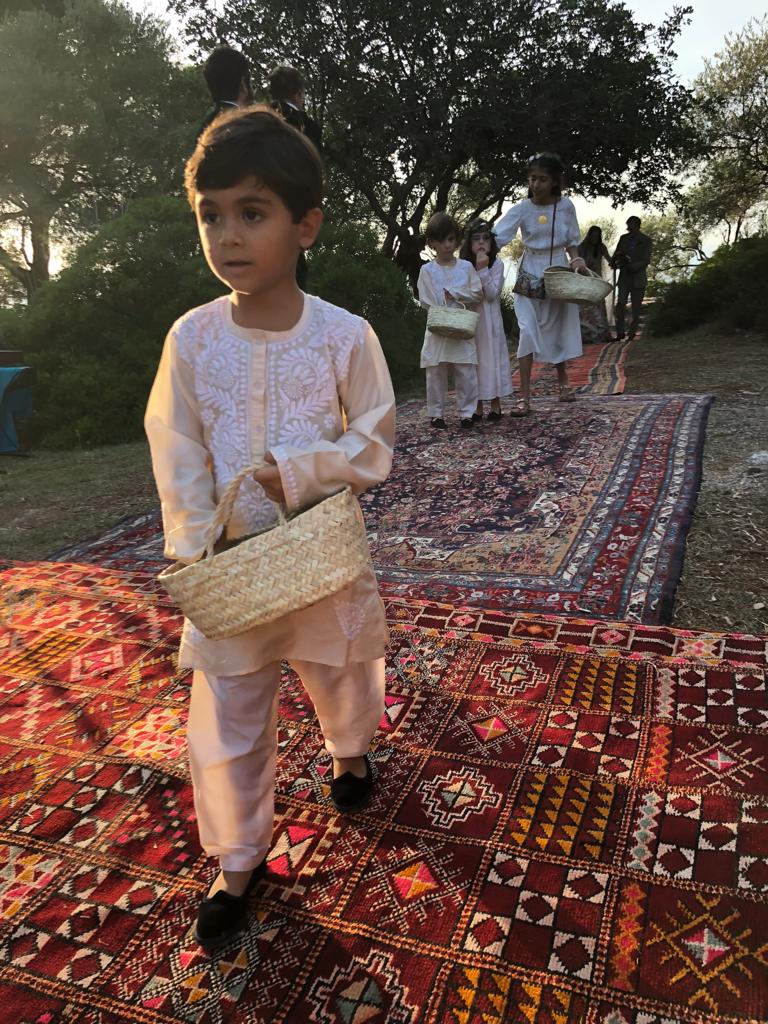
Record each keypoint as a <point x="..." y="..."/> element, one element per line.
<point x="408" y="257"/>
<point x="40" y="239"/>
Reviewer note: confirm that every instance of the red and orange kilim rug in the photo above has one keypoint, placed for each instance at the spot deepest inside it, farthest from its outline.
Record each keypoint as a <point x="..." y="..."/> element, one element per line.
<point x="598" y="371"/>
<point x="570" y="825"/>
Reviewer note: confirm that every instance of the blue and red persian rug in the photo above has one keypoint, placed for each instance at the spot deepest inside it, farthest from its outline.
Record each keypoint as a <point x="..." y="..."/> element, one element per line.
<point x="570" y="825"/>
<point x="579" y="509"/>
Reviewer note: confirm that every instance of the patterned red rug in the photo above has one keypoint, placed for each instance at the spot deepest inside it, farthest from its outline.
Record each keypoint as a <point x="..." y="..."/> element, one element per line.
<point x="570" y="825"/>
<point x="581" y="508"/>
<point x="599" y="371"/>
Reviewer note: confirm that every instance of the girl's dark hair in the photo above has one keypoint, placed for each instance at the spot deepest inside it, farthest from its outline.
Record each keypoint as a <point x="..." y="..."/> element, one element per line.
<point x="594" y="247"/>
<point x="224" y="72"/>
<point x="474" y="228"/>
<point x="257" y="143"/>
<point x="551" y="163"/>
<point x="441" y="225"/>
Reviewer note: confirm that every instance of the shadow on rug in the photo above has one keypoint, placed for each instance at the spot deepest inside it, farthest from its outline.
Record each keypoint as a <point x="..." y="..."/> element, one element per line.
<point x="579" y="508"/>
<point x="570" y="824"/>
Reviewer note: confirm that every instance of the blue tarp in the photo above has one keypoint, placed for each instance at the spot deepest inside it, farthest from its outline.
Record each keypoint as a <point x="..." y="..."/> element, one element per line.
<point x="15" y="400"/>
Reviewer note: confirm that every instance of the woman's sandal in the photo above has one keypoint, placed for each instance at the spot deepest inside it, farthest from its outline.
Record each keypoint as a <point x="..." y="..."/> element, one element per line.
<point x="522" y="407"/>
<point x="567" y="394"/>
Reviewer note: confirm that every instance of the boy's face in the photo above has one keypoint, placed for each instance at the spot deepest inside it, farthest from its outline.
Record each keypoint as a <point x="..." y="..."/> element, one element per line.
<point x="249" y="237"/>
<point x="445" y="249"/>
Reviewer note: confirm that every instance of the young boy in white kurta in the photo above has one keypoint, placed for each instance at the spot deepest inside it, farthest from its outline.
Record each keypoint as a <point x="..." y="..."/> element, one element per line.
<point x="267" y="373"/>
<point x="448" y="281"/>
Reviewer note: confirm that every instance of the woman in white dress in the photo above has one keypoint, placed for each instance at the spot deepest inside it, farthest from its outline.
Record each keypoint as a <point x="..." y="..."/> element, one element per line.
<point x="549" y="330"/>
<point x="494" y="374"/>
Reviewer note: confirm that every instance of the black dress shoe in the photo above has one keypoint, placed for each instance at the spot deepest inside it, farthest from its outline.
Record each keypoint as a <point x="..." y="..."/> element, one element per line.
<point x="494" y="416"/>
<point x="467" y="423"/>
<point x="224" y="916"/>
<point x="438" y="421"/>
<point x="476" y="416"/>
<point x="349" y="793"/>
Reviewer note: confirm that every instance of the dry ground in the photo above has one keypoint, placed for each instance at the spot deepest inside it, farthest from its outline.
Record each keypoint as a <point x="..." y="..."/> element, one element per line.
<point x="52" y="499"/>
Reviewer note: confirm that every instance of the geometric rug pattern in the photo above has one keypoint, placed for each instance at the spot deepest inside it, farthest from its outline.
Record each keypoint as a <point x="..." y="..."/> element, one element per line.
<point x="570" y="824"/>
<point x="600" y="370"/>
<point x="578" y="509"/>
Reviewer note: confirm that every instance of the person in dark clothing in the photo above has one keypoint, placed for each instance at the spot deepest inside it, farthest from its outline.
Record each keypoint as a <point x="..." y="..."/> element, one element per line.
<point x="228" y="77"/>
<point x="631" y="259"/>
<point x="286" y="87"/>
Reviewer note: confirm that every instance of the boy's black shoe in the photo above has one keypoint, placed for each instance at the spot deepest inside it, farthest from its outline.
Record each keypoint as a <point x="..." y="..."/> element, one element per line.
<point x="467" y="424"/>
<point x="224" y="916"/>
<point x="476" y="416"/>
<point x="494" y="416"/>
<point x="349" y="793"/>
<point x="439" y="422"/>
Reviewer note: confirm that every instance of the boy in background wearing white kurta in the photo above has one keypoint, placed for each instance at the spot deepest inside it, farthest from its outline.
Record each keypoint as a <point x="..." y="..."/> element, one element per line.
<point x="448" y="281"/>
<point x="267" y="373"/>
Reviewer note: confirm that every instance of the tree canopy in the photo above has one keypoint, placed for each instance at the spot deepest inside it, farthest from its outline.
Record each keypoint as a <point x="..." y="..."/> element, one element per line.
<point x="731" y="97"/>
<point x="434" y="105"/>
<point x="93" y="112"/>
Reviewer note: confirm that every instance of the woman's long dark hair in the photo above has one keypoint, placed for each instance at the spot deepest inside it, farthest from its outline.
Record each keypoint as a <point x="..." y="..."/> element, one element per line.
<point x="551" y="163"/>
<point x="594" y="248"/>
<point x="474" y="229"/>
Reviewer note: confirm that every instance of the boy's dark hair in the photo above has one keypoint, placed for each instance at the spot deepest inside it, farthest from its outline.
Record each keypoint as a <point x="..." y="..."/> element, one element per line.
<point x="634" y="219"/>
<point x="285" y="82"/>
<point x="553" y="165"/>
<point x="224" y="72"/>
<point x="257" y="143"/>
<point x="475" y="228"/>
<point x="441" y="225"/>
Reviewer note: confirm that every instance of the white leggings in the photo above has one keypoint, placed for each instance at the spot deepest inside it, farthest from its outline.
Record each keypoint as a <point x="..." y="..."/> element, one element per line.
<point x="465" y="378"/>
<point x="232" y="741"/>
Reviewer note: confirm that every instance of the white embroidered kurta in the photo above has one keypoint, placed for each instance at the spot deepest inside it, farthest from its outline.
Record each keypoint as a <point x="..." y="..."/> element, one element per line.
<point x="550" y="330"/>
<point x="222" y="398"/>
<point x="462" y="281"/>
<point x="494" y="377"/>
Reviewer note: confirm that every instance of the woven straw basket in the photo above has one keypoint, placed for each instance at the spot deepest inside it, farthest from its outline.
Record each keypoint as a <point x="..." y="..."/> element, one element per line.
<point x="452" y="322"/>
<point x="290" y="566"/>
<point x="563" y="284"/>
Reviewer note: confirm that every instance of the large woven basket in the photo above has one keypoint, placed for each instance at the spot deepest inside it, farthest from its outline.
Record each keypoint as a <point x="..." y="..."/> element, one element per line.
<point x="290" y="566"/>
<point x="452" y="321"/>
<point x="563" y="284"/>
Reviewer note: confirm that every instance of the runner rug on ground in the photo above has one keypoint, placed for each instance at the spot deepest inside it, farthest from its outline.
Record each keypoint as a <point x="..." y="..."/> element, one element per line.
<point x="580" y="508"/>
<point x="599" y="371"/>
<point x="570" y="824"/>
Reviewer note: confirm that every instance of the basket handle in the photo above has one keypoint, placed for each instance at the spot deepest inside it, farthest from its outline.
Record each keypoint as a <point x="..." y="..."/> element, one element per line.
<point x="227" y="503"/>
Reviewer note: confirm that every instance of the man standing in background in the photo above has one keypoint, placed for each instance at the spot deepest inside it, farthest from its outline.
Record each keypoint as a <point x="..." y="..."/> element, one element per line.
<point x="228" y="77"/>
<point x="631" y="259"/>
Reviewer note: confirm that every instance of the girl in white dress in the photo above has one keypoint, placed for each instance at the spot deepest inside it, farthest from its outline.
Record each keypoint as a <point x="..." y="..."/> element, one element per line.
<point x="447" y="281"/>
<point x="549" y="330"/>
<point x="494" y="375"/>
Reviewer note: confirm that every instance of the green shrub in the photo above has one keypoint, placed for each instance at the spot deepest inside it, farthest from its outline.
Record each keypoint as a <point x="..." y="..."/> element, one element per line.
<point x="346" y="268"/>
<point x="724" y="291"/>
<point x="94" y="334"/>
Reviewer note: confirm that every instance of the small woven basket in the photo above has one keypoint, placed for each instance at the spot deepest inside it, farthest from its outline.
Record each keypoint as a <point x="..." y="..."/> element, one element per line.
<point x="452" y="322"/>
<point x="564" y="285"/>
<point x="287" y="567"/>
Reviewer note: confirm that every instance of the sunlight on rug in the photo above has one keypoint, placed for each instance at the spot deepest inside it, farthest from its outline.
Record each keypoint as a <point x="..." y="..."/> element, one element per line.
<point x="570" y="824"/>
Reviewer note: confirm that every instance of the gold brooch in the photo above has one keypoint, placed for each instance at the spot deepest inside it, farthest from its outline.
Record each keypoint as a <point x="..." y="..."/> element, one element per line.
<point x="543" y="219"/>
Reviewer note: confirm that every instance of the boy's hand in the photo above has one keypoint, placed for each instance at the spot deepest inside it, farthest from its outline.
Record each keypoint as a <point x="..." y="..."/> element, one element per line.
<point x="269" y="478"/>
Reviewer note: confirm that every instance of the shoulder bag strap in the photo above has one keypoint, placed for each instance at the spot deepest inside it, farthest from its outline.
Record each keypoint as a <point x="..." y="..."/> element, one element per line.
<point x="552" y="239"/>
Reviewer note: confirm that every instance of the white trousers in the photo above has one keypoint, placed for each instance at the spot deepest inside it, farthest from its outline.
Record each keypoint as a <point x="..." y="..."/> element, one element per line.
<point x="465" y="379"/>
<point x="232" y="742"/>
